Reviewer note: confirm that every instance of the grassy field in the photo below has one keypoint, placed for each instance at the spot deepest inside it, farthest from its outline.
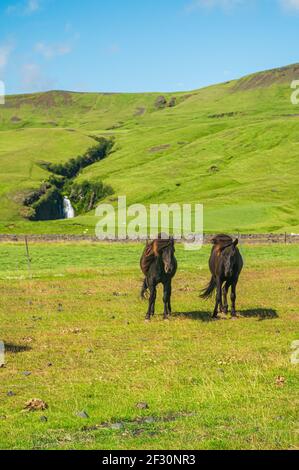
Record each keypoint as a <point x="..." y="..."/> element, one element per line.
<point x="232" y="147"/>
<point x="76" y="338"/>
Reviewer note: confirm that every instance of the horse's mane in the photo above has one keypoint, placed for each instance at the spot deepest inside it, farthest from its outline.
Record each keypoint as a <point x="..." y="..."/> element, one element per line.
<point x="152" y="250"/>
<point x="221" y="241"/>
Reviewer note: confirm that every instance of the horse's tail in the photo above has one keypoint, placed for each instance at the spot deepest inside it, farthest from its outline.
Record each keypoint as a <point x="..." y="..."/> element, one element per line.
<point x="143" y="289"/>
<point x="208" y="291"/>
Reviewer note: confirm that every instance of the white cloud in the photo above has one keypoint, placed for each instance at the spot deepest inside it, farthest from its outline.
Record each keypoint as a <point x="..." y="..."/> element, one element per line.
<point x="48" y="51"/>
<point x="5" y="51"/>
<point x="290" y="4"/>
<point x="34" y="79"/>
<point x="32" y="6"/>
<point x="209" y="4"/>
<point x="27" y="7"/>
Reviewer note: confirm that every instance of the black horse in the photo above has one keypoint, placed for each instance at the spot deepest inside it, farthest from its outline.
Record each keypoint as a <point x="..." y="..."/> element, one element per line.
<point x="159" y="265"/>
<point x="225" y="264"/>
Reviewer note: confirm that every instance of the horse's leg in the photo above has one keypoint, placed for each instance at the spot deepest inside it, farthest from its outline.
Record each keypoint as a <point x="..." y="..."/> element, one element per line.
<point x="218" y="298"/>
<point x="148" y="314"/>
<point x="233" y="298"/>
<point x="225" y="303"/>
<point x="143" y="288"/>
<point x="169" y="298"/>
<point x="166" y="297"/>
<point x="151" y="300"/>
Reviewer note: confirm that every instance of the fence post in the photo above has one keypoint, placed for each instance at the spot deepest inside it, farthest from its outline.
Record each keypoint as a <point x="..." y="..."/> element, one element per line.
<point x="28" y="255"/>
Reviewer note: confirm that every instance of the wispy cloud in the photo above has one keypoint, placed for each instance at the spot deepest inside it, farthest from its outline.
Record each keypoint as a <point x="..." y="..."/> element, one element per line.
<point x="113" y="49"/>
<point x="49" y="51"/>
<point x="5" y="51"/>
<point x="68" y="27"/>
<point x="226" y="5"/>
<point x="27" y="7"/>
<point x="210" y="4"/>
<point x="34" y="79"/>
<point x="32" y="6"/>
<point x="291" y="5"/>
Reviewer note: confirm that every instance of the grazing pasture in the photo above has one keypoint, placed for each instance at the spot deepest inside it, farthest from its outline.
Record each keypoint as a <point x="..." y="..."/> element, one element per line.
<point x="76" y="339"/>
<point x="232" y="147"/>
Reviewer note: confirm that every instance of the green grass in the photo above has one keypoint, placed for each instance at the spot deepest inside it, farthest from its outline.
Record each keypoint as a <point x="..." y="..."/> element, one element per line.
<point x="255" y="152"/>
<point x="208" y="384"/>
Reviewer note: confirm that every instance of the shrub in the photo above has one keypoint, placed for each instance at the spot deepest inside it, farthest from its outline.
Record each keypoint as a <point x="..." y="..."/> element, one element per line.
<point x="27" y="212"/>
<point x="160" y="102"/>
<point x="49" y="206"/>
<point x="86" y="195"/>
<point x="72" y="167"/>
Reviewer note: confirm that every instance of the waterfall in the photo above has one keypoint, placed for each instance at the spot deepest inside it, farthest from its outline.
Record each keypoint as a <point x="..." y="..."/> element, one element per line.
<point x="68" y="210"/>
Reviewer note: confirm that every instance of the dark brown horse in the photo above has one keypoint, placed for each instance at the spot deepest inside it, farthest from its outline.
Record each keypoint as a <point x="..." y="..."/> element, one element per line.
<point x="225" y="264"/>
<point x="159" y="265"/>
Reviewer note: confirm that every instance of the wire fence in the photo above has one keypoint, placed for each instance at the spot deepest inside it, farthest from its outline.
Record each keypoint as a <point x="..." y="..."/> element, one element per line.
<point x="266" y="238"/>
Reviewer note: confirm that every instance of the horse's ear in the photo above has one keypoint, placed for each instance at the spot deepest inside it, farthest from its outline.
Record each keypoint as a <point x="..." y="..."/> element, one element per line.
<point x="236" y="242"/>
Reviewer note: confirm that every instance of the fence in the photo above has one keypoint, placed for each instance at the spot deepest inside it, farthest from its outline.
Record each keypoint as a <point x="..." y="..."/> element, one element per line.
<point x="267" y="238"/>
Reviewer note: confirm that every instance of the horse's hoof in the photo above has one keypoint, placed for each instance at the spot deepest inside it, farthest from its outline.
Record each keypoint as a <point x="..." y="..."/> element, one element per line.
<point x="147" y="320"/>
<point x="225" y="310"/>
<point x="234" y="317"/>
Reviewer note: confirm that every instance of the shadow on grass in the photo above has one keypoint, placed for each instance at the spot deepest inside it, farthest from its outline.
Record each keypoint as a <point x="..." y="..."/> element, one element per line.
<point x="197" y="315"/>
<point x="16" y="348"/>
<point x="260" y="313"/>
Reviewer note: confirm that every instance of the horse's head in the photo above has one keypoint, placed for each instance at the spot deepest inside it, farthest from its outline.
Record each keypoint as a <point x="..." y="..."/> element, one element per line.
<point x="229" y="258"/>
<point x="167" y="255"/>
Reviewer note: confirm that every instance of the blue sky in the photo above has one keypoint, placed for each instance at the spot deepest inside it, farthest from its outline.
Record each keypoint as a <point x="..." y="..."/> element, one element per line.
<point x="142" y="45"/>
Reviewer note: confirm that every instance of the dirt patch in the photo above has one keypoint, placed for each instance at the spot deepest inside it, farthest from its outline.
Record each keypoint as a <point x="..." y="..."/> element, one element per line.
<point x="159" y="148"/>
<point x="140" y="111"/>
<point x="117" y="425"/>
<point x="118" y="125"/>
<point x="48" y="99"/>
<point x="223" y="115"/>
<point x="213" y="169"/>
<point x="15" y="119"/>
<point x="186" y="97"/>
<point x="267" y="78"/>
<point x="35" y="404"/>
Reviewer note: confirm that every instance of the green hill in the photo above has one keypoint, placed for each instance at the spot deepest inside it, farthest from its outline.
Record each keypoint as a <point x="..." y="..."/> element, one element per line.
<point x="232" y="147"/>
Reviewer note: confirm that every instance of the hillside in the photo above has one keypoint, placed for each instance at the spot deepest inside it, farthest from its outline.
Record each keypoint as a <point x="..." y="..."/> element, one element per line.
<point x="232" y="147"/>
